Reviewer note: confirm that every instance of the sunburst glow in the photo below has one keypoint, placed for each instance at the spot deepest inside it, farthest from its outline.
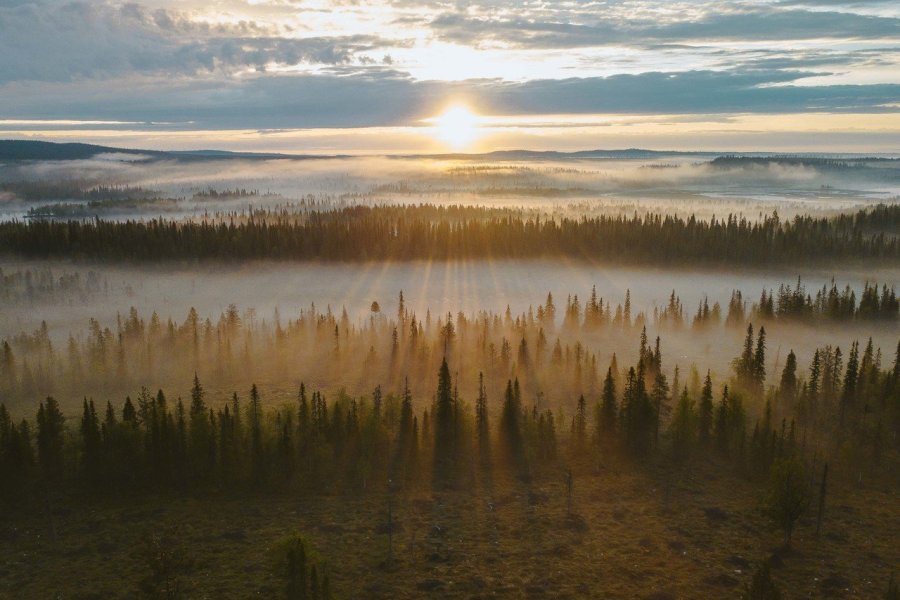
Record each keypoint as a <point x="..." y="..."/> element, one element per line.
<point x="457" y="127"/>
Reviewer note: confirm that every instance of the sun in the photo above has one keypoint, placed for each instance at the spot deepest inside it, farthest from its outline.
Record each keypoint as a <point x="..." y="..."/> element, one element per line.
<point x="457" y="127"/>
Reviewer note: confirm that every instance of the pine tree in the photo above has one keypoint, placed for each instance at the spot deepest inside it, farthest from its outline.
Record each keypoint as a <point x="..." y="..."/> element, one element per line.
<point x="91" y="442"/>
<point x="254" y="418"/>
<point x="405" y="441"/>
<point x="637" y="412"/>
<point x="482" y="424"/>
<point x="660" y="398"/>
<point x="815" y="378"/>
<point x="511" y="429"/>
<point x="788" y="386"/>
<point x="626" y="312"/>
<point x="848" y="395"/>
<point x="744" y="364"/>
<point x="608" y="407"/>
<point x="51" y="426"/>
<point x="722" y="423"/>
<point x="705" y="417"/>
<point x="683" y="427"/>
<point x="444" y="428"/>
<point x="202" y="440"/>
<point x="759" y="362"/>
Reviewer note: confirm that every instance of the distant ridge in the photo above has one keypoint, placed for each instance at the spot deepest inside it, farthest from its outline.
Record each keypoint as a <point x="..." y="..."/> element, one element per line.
<point x="15" y="150"/>
<point x="36" y="150"/>
<point x="39" y="150"/>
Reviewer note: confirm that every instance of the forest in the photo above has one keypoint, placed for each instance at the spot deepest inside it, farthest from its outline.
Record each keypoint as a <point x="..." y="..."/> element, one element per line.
<point x="500" y="300"/>
<point x="484" y="408"/>
<point x="514" y="376"/>
<point x="532" y="346"/>
<point x="436" y="232"/>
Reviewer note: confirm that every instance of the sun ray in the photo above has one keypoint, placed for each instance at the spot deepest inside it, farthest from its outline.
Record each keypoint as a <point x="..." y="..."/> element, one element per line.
<point x="457" y="127"/>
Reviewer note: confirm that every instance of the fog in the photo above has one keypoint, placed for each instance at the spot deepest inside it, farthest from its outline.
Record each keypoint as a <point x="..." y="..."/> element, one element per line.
<point x="466" y="286"/>
<point x="264" y="293"/>
<point x="674" y="184"/>
<point x="84" y="299"/>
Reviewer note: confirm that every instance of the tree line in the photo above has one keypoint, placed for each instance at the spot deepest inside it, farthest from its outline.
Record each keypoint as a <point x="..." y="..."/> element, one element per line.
<point x="42" y="285"/>
<point x="432" y="232"/>
<point x="789" y="304"/>
<point x="846" y="413"/>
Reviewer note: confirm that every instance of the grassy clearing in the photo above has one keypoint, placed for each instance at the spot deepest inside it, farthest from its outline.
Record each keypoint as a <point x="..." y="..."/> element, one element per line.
<point x="631" y="534"/>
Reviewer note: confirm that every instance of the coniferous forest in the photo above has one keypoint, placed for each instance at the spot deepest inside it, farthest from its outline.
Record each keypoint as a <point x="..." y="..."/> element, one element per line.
<point x="392" y="399"/>
<point x="459" y="232"/>
<point x="483" y="300"/>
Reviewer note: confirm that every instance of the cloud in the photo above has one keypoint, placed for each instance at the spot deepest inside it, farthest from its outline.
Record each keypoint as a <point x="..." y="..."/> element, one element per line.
<point x="275" y="65"/>
<point x="78" y="40"/>
<point x="690" y="92"/>
<point x="387" y="97"/>
<point x="759" y="24"/>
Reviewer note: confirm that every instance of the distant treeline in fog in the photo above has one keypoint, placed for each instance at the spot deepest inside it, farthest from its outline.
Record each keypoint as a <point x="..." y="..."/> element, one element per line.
<point x="427" y="232"/>
<point x="817" y="162"/>
<point x="558" y="350"/>
<point x="73" y="190"/>
<point x="42" y="286"/>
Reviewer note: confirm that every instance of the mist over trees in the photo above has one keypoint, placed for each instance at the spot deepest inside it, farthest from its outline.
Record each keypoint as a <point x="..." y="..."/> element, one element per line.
<point x="847" y="413"/>
<point x="555" y="349"/>
<point x="586" y="443"/>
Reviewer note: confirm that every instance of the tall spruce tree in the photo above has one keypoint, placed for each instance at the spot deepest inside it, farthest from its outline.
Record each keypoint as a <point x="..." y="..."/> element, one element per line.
<point x="444" y="428"/>
<point x="705" y="416"/>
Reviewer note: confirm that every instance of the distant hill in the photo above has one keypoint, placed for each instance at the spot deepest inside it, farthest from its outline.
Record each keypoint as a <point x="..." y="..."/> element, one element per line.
<point x="12" y="150"/>
<point x="35" y="150"/>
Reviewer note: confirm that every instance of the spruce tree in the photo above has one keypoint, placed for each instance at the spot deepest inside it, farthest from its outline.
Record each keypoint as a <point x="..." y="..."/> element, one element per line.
<point x="788" y="386"/>
<point x="202" y="439"/>
<point x="660" y="399"/>
<point x="511" y="429"/>
<point x="92" y="455"/>
<point x="758" y="373"/>
<point x="608" y="407"/>
<point x="848" y="394"/>
<point x="722" y="423"/>
<point x="482" y="424"/>
<point x="705" y="416"/>
<point x="683" y="427"/>
<point x="254" y="420"/>
<point x="51" y="426"/>
<point x="444" y="427"/>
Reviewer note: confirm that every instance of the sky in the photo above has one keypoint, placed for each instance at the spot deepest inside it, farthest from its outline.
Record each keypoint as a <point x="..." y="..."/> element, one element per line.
<point x="339" y="76"/>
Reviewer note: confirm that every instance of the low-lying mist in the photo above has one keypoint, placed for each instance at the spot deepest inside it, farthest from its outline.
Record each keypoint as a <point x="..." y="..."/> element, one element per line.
<point x="361" y="301"/>
<point x="439" y="286"/>
<point x="675" y="184"/>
